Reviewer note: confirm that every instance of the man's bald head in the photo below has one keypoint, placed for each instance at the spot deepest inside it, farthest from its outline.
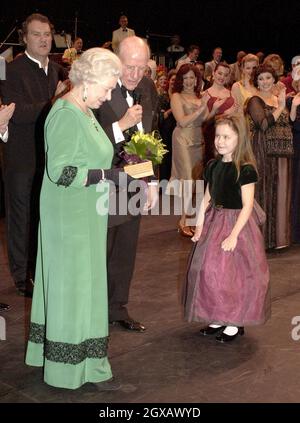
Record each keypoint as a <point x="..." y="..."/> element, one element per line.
<point x="134" y="54"/>
<point x="133" y="46"/>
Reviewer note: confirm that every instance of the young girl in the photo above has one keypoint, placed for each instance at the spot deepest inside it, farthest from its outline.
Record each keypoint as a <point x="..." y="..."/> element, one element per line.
<point x="228" y="277"/>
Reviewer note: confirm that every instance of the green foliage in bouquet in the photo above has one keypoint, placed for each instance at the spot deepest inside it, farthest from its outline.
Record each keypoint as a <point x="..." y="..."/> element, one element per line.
<point x="143" y="147"/>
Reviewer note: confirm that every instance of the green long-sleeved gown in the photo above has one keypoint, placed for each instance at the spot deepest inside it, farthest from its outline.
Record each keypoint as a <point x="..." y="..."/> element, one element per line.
<point x="69" y="317"/>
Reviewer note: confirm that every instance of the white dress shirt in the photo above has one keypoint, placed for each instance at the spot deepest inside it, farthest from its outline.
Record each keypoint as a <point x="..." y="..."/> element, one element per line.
<point x="4" y="137"/>
<point x="38" y="62"/>
<point x="118" y="134"/>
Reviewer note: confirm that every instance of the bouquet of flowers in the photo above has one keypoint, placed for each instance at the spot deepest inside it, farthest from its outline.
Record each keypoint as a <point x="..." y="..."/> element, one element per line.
<point x="143" y="151"/>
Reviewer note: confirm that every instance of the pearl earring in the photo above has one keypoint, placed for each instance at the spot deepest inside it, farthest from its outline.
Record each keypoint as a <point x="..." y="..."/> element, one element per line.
<point x="85" y="93"/>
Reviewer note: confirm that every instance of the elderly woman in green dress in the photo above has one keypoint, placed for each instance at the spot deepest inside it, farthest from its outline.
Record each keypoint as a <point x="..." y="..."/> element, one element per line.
<point x="69" y="318"/>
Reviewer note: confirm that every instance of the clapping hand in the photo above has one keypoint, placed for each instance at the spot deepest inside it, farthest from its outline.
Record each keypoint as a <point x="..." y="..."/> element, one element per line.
<point x="6" y="113"/>
<point x="290" y="94"/>
<point x="205" y="97"/>
<point x="296" y="99"/>
<point x="281" y="98"/>
<point x="218" y="103"/>
<point x="232" y="110"/>
<point x="62" y="88"/>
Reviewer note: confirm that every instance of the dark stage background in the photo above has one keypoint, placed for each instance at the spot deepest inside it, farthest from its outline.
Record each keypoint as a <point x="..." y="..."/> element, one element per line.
<point x="268" y="25"/>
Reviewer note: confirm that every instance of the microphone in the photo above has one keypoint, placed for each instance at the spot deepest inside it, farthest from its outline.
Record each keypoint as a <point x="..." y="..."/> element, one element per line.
<point x="137" y="96"/>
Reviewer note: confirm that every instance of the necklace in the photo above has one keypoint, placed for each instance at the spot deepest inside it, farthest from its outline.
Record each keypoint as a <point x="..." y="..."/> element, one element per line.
<point x="87" y="112"/>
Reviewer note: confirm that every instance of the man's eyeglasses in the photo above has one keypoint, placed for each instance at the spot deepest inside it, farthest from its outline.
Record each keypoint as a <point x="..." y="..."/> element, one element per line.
<point x="131" y="69"/>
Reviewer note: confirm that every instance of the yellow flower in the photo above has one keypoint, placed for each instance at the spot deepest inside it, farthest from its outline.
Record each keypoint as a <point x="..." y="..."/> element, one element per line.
<point x="143" y="147"/>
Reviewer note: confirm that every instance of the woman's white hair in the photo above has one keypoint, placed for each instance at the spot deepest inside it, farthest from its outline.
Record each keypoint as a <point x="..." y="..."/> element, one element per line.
<point x="95" y="65"/>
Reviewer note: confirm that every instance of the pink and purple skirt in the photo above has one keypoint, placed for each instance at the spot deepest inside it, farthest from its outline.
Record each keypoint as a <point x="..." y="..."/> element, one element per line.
<point x="227" y="288"/>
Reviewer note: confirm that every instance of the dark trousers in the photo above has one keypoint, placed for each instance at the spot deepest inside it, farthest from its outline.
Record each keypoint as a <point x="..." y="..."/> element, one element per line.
<point x="121" y="251"/>
<point x="21" y="201"/>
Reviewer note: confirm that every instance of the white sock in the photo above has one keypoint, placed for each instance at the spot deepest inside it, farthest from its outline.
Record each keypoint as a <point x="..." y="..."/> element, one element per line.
<point x="230" y="330"/>
<point x="214" y="326"/>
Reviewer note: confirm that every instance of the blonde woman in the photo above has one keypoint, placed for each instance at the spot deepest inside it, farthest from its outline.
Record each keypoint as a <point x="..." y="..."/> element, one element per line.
<point x="69" y="316"/>
<point x="244" y="89"/>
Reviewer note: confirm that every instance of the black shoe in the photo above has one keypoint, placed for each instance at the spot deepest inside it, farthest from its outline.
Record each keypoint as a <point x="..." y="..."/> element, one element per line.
<point x="108" y="385"/>
<point x="211" y="331"/>
<point x="4" y="307"/>
<point x="24" y="288"/>
<point x="130" y="324"/>
<point x="223" y="337"/>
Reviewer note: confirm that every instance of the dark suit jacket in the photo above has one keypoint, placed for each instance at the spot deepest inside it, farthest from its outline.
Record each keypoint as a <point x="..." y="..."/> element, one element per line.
<point x="112" y="111"/>
<point x="31" y="89"/>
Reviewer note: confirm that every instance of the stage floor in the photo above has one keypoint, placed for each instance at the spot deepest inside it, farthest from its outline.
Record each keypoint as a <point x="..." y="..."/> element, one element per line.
<point x="170" y="362"/>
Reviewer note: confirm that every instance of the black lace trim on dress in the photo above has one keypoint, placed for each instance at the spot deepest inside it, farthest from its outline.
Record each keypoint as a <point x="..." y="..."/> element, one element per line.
<point x="63" y="352"/>
<point x="37" y="333"/>
<point x="67" y="176"/>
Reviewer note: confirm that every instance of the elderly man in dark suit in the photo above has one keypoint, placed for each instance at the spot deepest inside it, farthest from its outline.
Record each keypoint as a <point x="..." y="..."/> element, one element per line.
<point x="119" y="117"/>
<point x="31" y="82"/>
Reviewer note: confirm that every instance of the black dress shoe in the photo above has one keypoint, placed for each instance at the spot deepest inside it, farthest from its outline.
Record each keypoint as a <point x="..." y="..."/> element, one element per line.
<point x="130" y="324"/>
<point x="211" y="331"/>
<point x="223" y="337"/>
<point x="24" y="288"/>
<point x="4" y="307"/>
